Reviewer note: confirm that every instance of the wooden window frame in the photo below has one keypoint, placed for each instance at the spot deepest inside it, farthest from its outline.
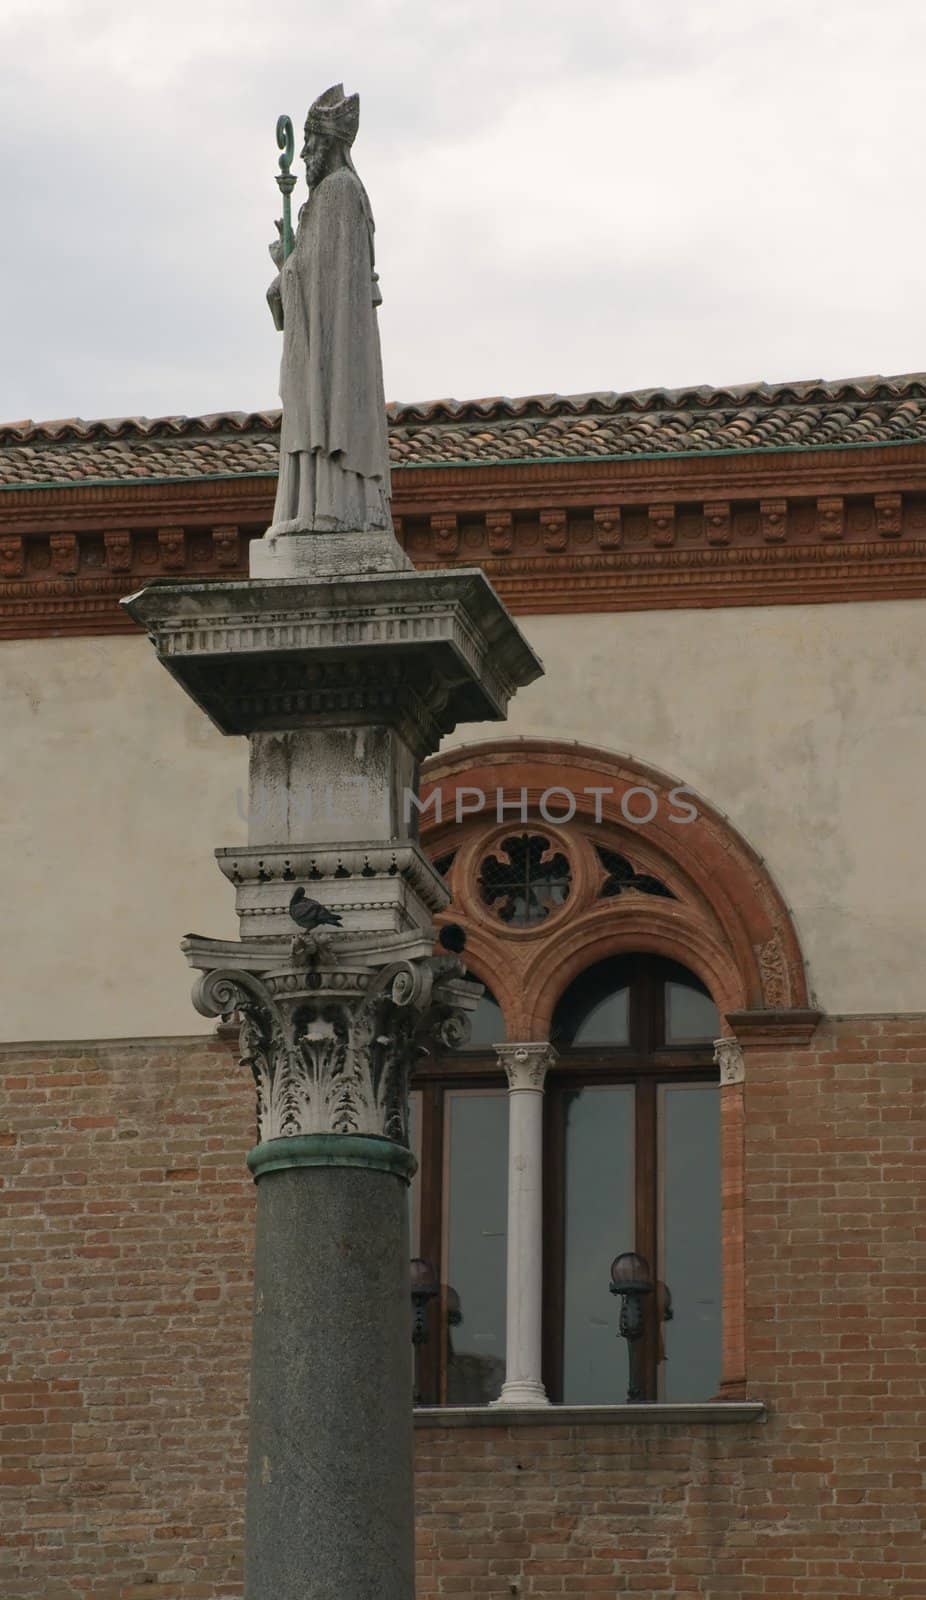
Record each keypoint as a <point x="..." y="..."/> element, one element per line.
<point x="645" y="1062"/>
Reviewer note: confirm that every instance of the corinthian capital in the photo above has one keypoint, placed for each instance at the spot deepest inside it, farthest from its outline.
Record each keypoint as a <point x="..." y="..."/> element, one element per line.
<point x="330" y="1035"/>
<point x="728" y="1055"/>
<point x="526" y="1065"/>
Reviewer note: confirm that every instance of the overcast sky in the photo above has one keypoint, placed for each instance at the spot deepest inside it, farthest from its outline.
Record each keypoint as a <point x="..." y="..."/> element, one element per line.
<point x="569" y="194"/>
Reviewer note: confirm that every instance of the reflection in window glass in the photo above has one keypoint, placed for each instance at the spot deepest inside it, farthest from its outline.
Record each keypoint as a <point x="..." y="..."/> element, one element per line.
<point x="607" y="1022"/>
<point x="599" y="1224"/>
<point x="486" y="1023"/>
<point x="690" y="1223"/>
<point x="414" y="1188"/>
<point x="475" y="1227"/>
<point x="595" y="1009"/>
<point x="690" y="1015"/>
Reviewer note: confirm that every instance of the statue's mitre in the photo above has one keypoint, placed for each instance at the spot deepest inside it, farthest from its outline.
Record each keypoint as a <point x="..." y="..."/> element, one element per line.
<point x="335" y="114"/>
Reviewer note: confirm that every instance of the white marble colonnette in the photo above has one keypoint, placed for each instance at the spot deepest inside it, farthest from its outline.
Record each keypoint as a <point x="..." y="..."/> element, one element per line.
<point x="526" y="1067"/>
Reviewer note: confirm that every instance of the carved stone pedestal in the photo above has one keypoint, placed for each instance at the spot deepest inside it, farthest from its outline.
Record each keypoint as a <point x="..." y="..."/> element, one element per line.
<point x="343" y="687"/>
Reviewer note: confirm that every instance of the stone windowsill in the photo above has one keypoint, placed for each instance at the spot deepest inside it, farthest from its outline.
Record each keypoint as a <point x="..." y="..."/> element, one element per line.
<point x="714" y="1411"/>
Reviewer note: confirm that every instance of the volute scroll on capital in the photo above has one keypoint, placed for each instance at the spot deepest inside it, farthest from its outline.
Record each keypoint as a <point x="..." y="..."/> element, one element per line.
<point x="526" y="1065"/>
<point x="331" y="1042"/>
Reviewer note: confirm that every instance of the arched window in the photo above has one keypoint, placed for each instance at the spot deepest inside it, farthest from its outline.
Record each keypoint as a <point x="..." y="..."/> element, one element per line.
<point x="621" y="920"/>
<point x="631" y="1163"/>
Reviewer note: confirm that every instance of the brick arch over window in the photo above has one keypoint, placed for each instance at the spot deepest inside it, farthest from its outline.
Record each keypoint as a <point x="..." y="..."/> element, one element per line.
<point x="723" y="916"/>
<point x="717" y="911"/>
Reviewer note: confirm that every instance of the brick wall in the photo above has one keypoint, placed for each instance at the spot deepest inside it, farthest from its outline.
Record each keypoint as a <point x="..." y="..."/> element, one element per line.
<point x="126" y="1256"/>
<point x="126" y="1252"/>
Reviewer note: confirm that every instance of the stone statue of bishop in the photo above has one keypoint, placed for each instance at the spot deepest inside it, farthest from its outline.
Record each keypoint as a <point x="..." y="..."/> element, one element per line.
<point x="334" y="451"/>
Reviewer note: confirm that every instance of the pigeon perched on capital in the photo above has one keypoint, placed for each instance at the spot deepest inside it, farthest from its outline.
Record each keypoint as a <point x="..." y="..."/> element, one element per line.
<point x="309" y="914"/>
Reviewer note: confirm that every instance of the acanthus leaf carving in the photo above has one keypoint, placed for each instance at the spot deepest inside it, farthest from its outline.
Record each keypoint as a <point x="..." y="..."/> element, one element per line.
<point x="172" y="547"/>
<point x="555" y="528"/>
<point x="500" y="529"/>
<point x="718" y="524"/>
<point x="728" y="1054"/>
<point x="526" y="1065"/>
<point x="64" y="552"/>
<point x="226" y="545"/>
<point x="118" y="546"/>
<point x="607" y="523"/>
<point x="445" y="531"/>
<point x="773" y="520"/>
<point x="262" y="1041"/>
<point x="12" y="556"/>
<point x="889" y="515"/>
<point x="831" y="516"/>
<point x="662" y="525"/>
<point x="331" y="1048"/>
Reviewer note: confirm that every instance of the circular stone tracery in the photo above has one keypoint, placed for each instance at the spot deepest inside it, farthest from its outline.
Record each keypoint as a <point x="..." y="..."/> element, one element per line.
<point x="524" y="878"/>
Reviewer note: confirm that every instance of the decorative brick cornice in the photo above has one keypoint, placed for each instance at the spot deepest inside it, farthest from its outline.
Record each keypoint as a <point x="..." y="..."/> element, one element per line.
<point x="607" y="520"/>
<point x="718" y="525"/>
<point x="578" y="537"/>
<point x="773" y="521"/>
<point x="12" y="556"/>
<point x="662" y="526"/>
<point x="63" y="553"/>
<point x="889" y="515"/>
<point x="831" y="516"/>
<point x="118" y="546"/>
<point x="499" y="526"/>
<point x="226" y="546"/>
<point x="446" y="533"/>
<point x="172" y="542"/>
<point x="555" y="529"/>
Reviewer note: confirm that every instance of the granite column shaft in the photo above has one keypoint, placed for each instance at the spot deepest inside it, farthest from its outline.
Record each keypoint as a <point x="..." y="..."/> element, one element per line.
<point x="330" y="1449"/>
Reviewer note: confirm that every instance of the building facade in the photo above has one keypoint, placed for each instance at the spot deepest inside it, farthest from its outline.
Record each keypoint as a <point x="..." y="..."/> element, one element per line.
<point x="690" y="875"/>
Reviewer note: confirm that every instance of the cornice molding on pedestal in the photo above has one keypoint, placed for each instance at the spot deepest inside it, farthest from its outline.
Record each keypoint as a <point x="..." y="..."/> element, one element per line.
<point x="370" y="649"/>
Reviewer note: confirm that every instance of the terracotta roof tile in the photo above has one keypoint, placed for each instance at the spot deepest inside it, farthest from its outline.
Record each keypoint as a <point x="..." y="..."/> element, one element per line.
<point x="648" y="422"/>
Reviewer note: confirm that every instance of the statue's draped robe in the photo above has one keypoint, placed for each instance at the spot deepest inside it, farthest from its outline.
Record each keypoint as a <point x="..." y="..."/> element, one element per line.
<point x="334" y="448"/>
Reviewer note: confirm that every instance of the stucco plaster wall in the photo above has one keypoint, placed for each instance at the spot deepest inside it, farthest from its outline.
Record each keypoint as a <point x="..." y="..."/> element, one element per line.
<point x="116" y="790"/>
<point x="805" y="724"/>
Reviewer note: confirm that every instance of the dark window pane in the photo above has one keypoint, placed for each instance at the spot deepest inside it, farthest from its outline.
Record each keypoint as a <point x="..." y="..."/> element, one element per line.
<point x="599" y="1224"/>
<point x="487" y="1025"/>
<point x="691" y="1014"/>
<point x="595" y="1008"/>
<point x="475" y="1227"/>
<point x="608" y="1022"/>
<point x="623" y="878"/>
<point x="690" y="1206"/>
